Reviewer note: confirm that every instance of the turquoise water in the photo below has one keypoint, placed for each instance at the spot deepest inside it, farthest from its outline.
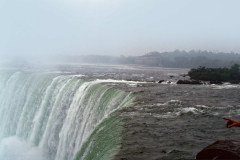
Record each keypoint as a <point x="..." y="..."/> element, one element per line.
<point x="58" y="117"/>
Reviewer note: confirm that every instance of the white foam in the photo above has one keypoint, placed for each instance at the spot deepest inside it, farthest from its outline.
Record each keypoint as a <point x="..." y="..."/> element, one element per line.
<point x="201" y="106"/>
<point x="169" y="82"/>
<point x="178" y="112"/>
<point x="174" y="83"/>
<point x="173" y="101"/>
<point x="79" y="75"/>
<point x="13" y="148"/>
<point x="165" y="82"/>
<point x="189" y="109"/>
<point x="226" y="86"/>
<point x="130" y="83"/>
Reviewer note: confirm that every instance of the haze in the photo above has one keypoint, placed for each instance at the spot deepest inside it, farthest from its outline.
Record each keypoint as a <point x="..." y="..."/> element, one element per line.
<point x="33" y="28"/>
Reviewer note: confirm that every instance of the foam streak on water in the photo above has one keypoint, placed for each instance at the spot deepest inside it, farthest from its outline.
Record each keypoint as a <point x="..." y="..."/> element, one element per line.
<point x="50" y="116"/>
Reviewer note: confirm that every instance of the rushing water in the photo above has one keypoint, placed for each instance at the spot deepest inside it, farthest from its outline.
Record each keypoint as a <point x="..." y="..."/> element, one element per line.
<point x="177" y="121"/>
<point x="53" y="117"/>
<point x="67" y="116"/>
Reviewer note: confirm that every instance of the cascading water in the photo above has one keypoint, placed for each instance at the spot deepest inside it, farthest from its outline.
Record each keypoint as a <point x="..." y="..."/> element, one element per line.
<point x="57" y="117"/>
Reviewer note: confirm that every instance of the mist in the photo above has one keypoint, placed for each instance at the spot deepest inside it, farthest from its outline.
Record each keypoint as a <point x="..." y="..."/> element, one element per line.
<point x="13" y="148"/>
<point x="117" y="79"/>
<point x="37" y="31"/>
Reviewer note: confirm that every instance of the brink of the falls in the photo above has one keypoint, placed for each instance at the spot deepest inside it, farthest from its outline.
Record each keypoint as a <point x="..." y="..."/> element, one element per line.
<point x="46" y="116"/>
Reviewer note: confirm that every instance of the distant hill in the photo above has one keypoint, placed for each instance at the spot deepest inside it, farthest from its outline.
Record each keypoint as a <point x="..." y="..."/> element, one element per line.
<point x="191" y="59"/>
<point x="175" y="59"/>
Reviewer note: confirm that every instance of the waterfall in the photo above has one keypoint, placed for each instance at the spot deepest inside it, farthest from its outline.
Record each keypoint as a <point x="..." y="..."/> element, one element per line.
<point x="56" y="114"/>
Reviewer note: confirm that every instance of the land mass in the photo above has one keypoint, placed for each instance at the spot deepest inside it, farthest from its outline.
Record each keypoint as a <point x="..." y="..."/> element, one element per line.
<point x="216" y="75"/>
<point x="175" y="59"/>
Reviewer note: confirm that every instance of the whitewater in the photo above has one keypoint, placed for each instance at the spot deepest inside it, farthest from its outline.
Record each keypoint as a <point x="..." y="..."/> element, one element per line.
<point x="110" y="113"/>
<point x="46" y="116"/>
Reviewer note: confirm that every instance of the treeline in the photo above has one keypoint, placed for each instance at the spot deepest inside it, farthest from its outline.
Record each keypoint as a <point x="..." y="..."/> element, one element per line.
<point x="191" y="59"/>
<point x="231" y="74"/>
<point x="96" y="59"/>
<point x="175" y="59"/>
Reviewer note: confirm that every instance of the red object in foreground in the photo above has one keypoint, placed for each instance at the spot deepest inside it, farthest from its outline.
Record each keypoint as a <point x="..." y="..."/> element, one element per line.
<point x="224" y="149"/>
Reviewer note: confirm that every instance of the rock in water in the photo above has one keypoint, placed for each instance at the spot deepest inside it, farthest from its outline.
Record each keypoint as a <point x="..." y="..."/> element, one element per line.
<point x="188" y="82"/>
<point x="223" y="149"/>
<point x="160" y="81"/>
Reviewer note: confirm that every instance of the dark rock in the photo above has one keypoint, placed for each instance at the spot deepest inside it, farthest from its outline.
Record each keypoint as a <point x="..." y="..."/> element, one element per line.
<point x="216" y="82"/>
<point x="160" y="81"/>
<point x="224" y="149"/>
<point x="163" y="151"/>
<point x="188" y="82"/>
<point x="234" y="81"/>
<point x="151" y="81"/>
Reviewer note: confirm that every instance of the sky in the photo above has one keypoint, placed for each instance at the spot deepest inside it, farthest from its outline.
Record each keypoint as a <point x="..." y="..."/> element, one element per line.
<point x="36" y="28"/>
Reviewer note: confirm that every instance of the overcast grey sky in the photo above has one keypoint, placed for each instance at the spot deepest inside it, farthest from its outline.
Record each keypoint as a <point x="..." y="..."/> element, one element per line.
<point x="117" y="27"/>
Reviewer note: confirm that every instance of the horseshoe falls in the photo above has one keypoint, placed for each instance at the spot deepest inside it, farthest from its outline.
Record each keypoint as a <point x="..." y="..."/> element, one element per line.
<point x="49" y="116"/>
